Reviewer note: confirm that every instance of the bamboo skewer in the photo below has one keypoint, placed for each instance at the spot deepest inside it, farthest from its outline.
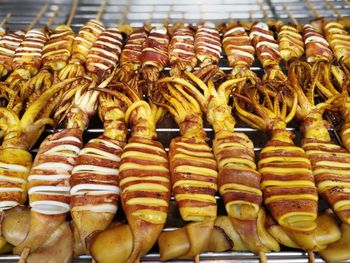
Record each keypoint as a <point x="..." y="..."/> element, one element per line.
<point x="72" y="12"/>
<point x="37" y="18"/>
<point x="262" y="257"/>
<point x="347" y="2"/>
<point x="5" y="19"/>
<point x="101" y="10"/>
<point x="311" y="256"/>
<point x="333" y="7"/>
<point x="266" y="17"/>
<point x="53" y="17"/>
<point x="291" y="16"/>
<point x="314" y="12"/>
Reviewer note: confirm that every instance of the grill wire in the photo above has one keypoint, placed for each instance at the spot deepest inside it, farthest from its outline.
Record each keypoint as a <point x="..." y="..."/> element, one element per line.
<point x="137" y="12"/>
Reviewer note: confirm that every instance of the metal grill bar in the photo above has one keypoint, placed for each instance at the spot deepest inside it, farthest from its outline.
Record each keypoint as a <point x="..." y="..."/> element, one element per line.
<point x="137" y="12"/>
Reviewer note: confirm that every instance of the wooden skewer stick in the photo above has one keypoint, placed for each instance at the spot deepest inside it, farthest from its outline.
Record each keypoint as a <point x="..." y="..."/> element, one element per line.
<point x="73" y="10"/>
<point x="37" y="18"/>
<point x="266" y="17"/>
<point x="196" y="259"/>
<point x="311" y="256"/>
<point x="5" y="19"/>
<point x="24" y="255"/>
<point x="334" y="9"/>
<point x="101" y="10"/>
<point x="291" y="16"/>
<point x="262" y="256"/>
<point x="347" y="2"/>
<point x="53" y="17"/>
<point x="312" y="9"/>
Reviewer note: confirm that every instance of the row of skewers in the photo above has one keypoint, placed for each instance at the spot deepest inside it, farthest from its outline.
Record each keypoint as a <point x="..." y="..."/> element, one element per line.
<point x="54" y="73"/>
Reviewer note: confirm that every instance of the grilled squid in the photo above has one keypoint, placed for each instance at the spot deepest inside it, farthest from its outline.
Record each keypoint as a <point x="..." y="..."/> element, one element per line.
<point x="82" y="43"/>
<point x="154" y="55"/>
<point x="339" y="40"/>
<point x="104" y="53"/>
<point x="57" y="51"/>
<point x="182" y="55"/>
<point x="130" y="58"/>
<point x="193" y="171"/>
<point x="239" y="50"/>
<point x="95" y="177"/>
<point x="8" y="45"/>
<point x="267" y="50"/>
<point x="328" y="160"/>
<point x="207" y="44"/>
<point x="287" y="180"/>
<point x="49" y="188"/>
<point x="291" y="42"/>
<point x="27" y="58"/>
<point x="56" y="54"/>
<point x="316" y="46"/>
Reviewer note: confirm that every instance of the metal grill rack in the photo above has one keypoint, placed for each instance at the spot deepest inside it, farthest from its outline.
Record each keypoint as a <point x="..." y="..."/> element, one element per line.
<point x="137" y="12"/>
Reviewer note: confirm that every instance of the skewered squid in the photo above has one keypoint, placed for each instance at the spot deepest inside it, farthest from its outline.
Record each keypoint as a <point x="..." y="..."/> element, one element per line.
<point x="95" y="176"/>
<point x="182" y="56"/>
<point x="267" y="50"/>
<point x="145" y="190"/>
<point x="287" y="181"/>
<point x="194" y="174"/>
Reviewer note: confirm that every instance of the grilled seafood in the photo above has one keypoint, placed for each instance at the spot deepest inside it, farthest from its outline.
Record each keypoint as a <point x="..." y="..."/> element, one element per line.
<point x="95" y="177"/>
<point x="182" y="56"/>
<point x="239" y="50"/>
<point x="51" y="171"/>
<point x="338" y="38"/>
<point x="328" y="160"/>
<point x="154" y="55"/>
<point x="207" y="44"/>
<point x="267" y="50"/>
<point x="82" y="43"/>
<point x="145" y="190"/>
<point x="193" y="171"/>
<point x="287" y="180"/>
<point x="104" y="53"/>
<point x="130" y="58"/>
